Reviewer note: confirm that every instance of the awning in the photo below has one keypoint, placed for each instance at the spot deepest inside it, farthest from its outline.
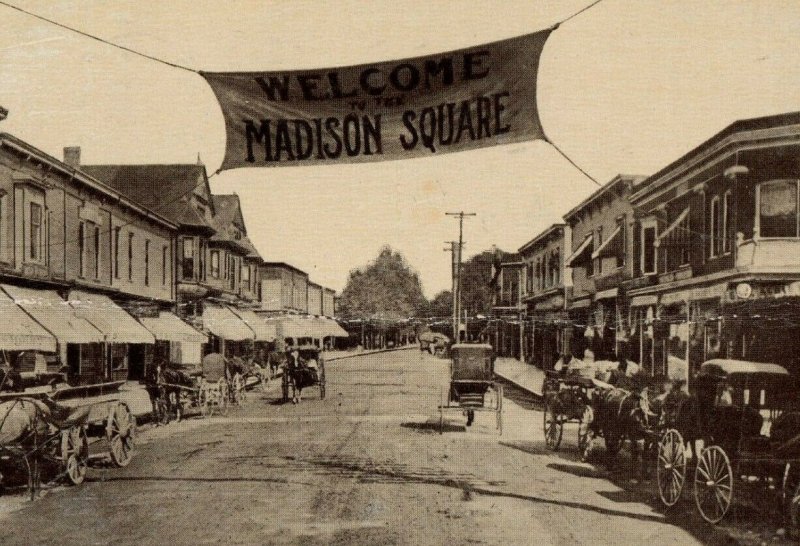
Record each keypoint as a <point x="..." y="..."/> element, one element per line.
<point x="642" y="301"/>
<point x="295" y="327"/>
<point x="601" y="250"/>
<point x="606" y="294"/>
<point x="674" y="224"/>
<point x="108" y="317"/>
<point x="55" y="314"/>
<point x="695" y="294"/>
<point x="19" y="332"/>
<point x="581" y="304"/>
<point x="264" y="331"/>
<point x="168" y="327"/>
<point x="221" y="322"/>
<point x="331" y="328"/>
<point x="579" y="251"/>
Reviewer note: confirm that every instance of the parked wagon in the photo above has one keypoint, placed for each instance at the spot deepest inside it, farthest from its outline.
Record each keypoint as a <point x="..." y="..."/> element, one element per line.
<point x="745" y="415"/>
<point x="50" y="431"/>
<point x="472" y="385"/>
<point x="566" y="400"/>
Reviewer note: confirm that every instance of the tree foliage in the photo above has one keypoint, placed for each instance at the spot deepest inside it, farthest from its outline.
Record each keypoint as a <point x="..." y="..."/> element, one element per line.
<point x="441" y="305"/>
<point x="386" y="288"/>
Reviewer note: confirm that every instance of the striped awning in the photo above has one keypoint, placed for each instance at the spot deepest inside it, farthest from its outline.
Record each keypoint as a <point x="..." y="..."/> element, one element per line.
<point x="168" y="327"/>
<point x="263" y="330"/>
<point x="19" y="332"/>
<point x="108" y="317"/>
<point x="582" y="248"/>
<point x="221" y="322"/>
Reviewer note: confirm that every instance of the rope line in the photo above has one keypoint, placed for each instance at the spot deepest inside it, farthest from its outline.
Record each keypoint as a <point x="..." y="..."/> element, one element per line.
<point x="97" y="38"/>
<point x="568" y="158"/>
<point x="593" y="4"/>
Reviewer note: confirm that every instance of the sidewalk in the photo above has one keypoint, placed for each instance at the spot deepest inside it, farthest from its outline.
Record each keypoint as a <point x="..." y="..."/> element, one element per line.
<point x="525" y="376"/>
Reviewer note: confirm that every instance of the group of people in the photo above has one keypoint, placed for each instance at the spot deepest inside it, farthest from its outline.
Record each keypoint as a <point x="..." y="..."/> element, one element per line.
<point x="608" y="371"/>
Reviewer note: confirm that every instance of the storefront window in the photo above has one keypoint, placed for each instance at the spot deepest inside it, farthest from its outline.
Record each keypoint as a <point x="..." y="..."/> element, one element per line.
<point x="777" y="214"/>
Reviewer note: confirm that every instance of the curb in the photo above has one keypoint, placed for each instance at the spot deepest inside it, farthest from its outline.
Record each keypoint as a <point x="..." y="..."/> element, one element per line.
<point x="366" y="353"/>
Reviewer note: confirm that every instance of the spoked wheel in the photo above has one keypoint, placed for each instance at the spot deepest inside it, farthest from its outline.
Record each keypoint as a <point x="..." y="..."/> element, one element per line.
<point x="222" y="398"/>
<point x="121" y="434"/>
<point x="75" y="454"/>
<point x="713" y="484"/>
<point x="671" y="469"/>
<point x="583" y="428"/>
<point x="553" y="426"/>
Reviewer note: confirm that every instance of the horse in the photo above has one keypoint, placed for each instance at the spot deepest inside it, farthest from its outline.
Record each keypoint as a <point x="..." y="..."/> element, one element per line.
<point x="170" y="381"/>
<point x="301" y="375"/>
<point x="620" y="415"/>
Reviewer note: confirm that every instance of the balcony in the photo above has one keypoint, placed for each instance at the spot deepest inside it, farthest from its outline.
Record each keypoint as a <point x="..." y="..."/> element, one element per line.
<point x="772" y="253"/>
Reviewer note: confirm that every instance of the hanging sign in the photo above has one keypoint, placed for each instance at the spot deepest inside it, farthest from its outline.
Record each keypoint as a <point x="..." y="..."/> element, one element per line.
<point x="461" y="100"/>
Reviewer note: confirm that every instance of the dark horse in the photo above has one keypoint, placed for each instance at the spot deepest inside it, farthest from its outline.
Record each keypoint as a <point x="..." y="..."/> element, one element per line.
<point x="621" y="415"/>
<point x="301" y="375"/>
<point x="169" y="383"/>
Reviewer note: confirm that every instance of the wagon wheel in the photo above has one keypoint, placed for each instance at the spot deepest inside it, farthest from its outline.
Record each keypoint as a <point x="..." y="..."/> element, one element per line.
<point x="713" y="484"/>
<point x="222" y="399"/>
<point x="75" y="454"/>
<point x="121" y="432"/>
<point x="553" y="425"/>
<point x="499" y="389"/>
<point x="285" y="385"/>
<point x="203" y="402"/>
<point x="584" y="422"/>
<point x="321" y="379"/>
<point x="671" y="469"/>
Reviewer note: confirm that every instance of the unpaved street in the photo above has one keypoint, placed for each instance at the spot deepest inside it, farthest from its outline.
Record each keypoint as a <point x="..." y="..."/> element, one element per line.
<point x="365" y="466"/>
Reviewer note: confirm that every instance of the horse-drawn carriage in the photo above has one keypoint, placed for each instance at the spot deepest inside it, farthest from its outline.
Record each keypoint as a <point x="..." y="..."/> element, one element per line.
<point x="567" y="399"/>
<point x="206" y="391"/>
<point x="746" y="416"/>
<point x="303" y="367"/>
<point x="49" y="432"/>
<point x="472" y="384"/>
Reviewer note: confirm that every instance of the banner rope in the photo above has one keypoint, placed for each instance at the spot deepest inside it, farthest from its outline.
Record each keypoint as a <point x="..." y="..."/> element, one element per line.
<point x="593" y="4"/>
<point x="93" y="37"/>
<point x="568" y="158"/>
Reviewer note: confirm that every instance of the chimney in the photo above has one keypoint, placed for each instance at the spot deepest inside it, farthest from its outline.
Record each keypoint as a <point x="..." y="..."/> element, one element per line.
<point x="3" y="113"/>
<point x="72" y="156"/>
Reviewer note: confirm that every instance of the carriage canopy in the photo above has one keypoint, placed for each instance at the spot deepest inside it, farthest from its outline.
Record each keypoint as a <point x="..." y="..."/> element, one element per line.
<point x="472" y="362"/>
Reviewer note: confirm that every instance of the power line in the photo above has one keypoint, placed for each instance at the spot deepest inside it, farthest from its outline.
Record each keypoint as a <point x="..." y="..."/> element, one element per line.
<point x="97" y="38"/>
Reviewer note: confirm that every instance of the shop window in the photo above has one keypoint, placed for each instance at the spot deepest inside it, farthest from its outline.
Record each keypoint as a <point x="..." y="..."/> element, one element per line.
<point x="778" y="209"/>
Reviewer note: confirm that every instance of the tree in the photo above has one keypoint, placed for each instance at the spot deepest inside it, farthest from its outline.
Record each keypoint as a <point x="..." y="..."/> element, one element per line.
<point x="441" y="306"/>
<point x="386" y="288"/>
<point x="477" y="276"/>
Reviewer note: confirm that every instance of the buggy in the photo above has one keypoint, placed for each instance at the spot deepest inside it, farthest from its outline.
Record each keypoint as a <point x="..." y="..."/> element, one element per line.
<point x="472" y="384"/>
<point x="307" y="370"/>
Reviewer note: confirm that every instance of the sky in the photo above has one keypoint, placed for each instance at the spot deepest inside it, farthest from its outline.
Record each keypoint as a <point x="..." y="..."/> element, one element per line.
<point x="626" y="87"/>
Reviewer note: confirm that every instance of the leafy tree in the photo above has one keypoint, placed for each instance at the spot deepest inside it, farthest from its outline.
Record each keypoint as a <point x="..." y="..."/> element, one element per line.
<point x="477" y="276"/>
<point x="441" y="306"/>
<point x="386" y="288"/>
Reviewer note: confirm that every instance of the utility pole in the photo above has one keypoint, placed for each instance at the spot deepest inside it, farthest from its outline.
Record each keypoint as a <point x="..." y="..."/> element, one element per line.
<point x="453" y="267"/>
<point x="457" y="273"/>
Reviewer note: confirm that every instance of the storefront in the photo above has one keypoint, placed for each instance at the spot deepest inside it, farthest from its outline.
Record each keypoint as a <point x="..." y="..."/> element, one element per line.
<point x="265" y="332"/>
<point x="129" y="345"/>
<point x="80" y="345"/>
<point x="230" y="335"/>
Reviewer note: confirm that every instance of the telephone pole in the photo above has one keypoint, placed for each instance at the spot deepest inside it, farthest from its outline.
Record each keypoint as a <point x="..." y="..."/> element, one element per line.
<point x="457" y="272"/>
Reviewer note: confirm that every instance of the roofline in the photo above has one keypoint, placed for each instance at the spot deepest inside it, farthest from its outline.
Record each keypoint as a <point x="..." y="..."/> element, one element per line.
<point x="238" y="204"/>
<point x="541" y="236"/>
<point x="725" y="142"/>
<point x="22" y="147"/>
<point x="284" y="265"/>
<point x="627" y="178"/>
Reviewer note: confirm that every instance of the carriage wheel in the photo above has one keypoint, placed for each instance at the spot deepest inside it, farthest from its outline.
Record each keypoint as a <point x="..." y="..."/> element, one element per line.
<point x="553" y="426"/>
<point x="75" y="454"/>
<point x="121" y="432"/>
<point x="671" y="469"/>
<point x="321" y="379"/>
<point x="583" y="428"/>
<point x="202" y="402"/>
<point x="222" y="399"/>
<point x="713" y="484"/>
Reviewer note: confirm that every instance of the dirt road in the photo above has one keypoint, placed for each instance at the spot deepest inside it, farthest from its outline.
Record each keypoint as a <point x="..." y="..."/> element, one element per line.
<point x="365" y="466"/>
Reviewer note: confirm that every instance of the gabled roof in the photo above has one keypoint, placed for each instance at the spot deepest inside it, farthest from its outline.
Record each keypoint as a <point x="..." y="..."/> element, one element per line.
<point x="162" y="188"/>
<point x="228" y="210"/>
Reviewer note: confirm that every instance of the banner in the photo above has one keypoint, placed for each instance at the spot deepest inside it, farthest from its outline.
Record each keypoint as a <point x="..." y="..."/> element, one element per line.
<point x="460" y="100"/>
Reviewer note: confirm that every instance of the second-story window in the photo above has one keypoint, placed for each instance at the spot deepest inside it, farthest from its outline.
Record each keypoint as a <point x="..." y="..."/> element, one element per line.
<point x="715" y="228"/>
<point x="202" y="259"/>
<point x="555" y="263"/>
<point x="598" y="244"/>
<point x="81" y="249"/>
<point x="246" y="276"/>
<point x="116" y="251"/>
<point x="232" y="273"/>
<point x="130" y="256"/>
<point x="215" y="264"/>
<point x="187" y="264"/>
<point x="648" y="249"/>
<point x="96" y="252"/>
<point x="36" y="232"/>
<point x="778" y="209"/>
<point x="164" y="254"/>
<point x="147" y="262"/>
<point x="623" y="242"/>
